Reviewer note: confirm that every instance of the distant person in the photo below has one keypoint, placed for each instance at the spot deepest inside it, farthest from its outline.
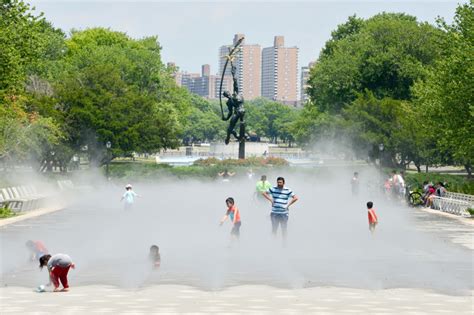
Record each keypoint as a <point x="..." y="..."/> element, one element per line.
<point x="154" y="256"/>
<point x="441" y="189"/>
<point x="387" y="186"/>
<point x="437" y="191"/>
<point x="355" y="184"/>
<point x="233" y="213"/>
<point x="262" y="186"/>
<point x="129" y="197"/>
<point x="373" y="220"/>
<point x="280" y="196"/>
<point x="398" y="184"/>
<point x="58" y="268"/>
<point x="250" y="174"/>
<point x="428" y="197"/>
<point x="36" y="249"/>
<point x="226" y="175"/>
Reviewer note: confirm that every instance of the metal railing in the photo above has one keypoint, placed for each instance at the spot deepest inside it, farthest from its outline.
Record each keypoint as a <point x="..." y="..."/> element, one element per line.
<point x="452" y="205"/>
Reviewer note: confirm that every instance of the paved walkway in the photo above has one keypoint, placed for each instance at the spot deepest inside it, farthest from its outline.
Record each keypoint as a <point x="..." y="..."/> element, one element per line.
<point x="451" y="262"/>
<point x="459" y="230"/>
<point x="255" y="299"/>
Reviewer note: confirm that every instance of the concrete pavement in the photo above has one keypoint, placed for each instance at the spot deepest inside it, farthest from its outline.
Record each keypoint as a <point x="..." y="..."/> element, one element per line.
<point x="253" y="299"/>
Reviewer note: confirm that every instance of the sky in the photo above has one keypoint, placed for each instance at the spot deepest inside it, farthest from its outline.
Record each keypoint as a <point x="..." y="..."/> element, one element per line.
<point x="191" y="32"/>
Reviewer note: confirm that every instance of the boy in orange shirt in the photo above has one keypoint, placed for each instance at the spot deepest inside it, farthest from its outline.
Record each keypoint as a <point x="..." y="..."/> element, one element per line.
<point x="234" y="214"/>
<point x="373" y="220"/>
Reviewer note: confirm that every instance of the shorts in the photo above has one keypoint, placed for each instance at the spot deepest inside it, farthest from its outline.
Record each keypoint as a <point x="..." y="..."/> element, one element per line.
<point x="236" y="229"/>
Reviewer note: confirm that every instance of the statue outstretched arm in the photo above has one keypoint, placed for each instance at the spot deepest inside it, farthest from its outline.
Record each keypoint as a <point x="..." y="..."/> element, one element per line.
<point x="234" y="78"/>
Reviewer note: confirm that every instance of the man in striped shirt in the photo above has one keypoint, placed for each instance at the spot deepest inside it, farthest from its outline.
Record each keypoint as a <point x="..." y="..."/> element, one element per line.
<point x="281" y="198"/>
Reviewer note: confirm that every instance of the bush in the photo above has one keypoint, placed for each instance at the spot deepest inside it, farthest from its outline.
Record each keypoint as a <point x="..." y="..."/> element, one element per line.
<point x="471" y="211"/>
<point x="204" y="168"/>
<point x="6" y="213"/>
<point x="455" y="183"/>
<point x="248" y="162"/>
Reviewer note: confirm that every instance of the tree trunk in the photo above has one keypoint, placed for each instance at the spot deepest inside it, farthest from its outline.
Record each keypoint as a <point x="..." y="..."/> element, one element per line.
<point x="468" y="170"/>
<point x="426" y="168"/>
<point x="418" y="167"/>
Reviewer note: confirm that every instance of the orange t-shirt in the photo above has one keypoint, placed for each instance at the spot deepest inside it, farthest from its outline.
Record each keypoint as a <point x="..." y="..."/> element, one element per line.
<point x="372" y="216"/>
<point x="234" y="211"/>
<point x="39" y="246"/>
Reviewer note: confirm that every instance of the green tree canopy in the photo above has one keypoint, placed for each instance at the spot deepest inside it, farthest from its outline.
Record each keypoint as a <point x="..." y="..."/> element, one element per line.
<point x="385" y="54"/>
<point x="114" y="88"/>
<point x="446" y="98"/>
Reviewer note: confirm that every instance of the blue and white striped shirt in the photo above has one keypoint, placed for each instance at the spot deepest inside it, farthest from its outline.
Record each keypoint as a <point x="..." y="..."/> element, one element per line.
<point x="281" y="198"/>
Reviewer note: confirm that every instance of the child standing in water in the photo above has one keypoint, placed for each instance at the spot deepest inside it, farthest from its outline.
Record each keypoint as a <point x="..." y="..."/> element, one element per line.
<point x="373" y="220"/>
<point x="234" y="214"/>
<point x="129" y="197"/>
<point x="154" y="256"/>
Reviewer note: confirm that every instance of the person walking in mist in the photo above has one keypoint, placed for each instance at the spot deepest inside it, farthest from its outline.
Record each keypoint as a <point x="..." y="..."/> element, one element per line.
<point x="355" y="184"/>
<point x="129" y="197"/>
<point x="281" y="198"/>
<point x="233" y="213"/>
<point x="373" y="220"/>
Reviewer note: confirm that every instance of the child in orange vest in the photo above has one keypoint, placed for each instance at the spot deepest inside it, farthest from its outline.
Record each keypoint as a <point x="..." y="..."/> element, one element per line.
<point x="373" y="220"/>
<point x="234" y="214"/>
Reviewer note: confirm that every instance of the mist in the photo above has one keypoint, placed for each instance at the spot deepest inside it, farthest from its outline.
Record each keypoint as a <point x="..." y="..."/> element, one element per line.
<point x="329" y="243"/>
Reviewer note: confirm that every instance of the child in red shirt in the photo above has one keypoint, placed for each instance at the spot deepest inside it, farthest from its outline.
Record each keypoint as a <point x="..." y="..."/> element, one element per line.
<point x="234" y="214"/>
<point x="373" y="220"/>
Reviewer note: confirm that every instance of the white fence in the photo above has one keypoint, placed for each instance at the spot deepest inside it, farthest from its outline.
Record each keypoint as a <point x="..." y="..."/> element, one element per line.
<point x="454" y="203"/>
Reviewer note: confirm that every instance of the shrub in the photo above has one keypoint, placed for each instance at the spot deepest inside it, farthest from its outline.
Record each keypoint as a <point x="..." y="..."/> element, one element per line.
<point x="455" y="183"/>
<point x="6" y="213"/>
<point x="248" y="162"/>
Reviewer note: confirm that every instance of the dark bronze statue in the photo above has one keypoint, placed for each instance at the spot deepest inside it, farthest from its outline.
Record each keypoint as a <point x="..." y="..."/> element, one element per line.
<point x="235" y="106"/>
<point x="235" y="103"/>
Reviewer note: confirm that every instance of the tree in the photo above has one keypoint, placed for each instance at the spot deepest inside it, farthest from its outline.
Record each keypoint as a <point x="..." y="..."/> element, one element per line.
<point x="275" y="115"/>
<point x="25" y="137"/>
<point x="203" y="122"/>
<point x="28" y="43"/>
<point x="385" y="54"/>
<point x="312" y="125"/>
<point x="114" y="88"/>
<point x="446" y="97"/>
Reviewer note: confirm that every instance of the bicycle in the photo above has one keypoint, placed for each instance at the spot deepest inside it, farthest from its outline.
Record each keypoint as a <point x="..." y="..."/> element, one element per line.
<point x="414" y="197"/>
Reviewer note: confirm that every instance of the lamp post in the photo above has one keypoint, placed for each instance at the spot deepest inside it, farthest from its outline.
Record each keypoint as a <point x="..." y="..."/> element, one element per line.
<point x="108" y="145"/>
<point x="381" y="146"/>
<point x="51" y="168"/>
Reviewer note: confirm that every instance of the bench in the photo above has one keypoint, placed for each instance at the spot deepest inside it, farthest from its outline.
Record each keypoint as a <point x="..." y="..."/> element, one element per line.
<point x="454" y="203"/>
<point x="67" y="185"/>
<point x="20" y="198"/>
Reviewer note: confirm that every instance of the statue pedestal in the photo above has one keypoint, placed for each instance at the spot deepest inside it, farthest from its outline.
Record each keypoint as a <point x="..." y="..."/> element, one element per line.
<point x="232" y="149"/>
